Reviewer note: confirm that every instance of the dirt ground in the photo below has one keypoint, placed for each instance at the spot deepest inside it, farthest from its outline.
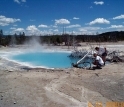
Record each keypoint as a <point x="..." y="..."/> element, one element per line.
<point x="71" y="87"/>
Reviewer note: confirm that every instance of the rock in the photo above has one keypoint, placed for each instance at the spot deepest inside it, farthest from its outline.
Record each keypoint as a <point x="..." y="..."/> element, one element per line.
<point x="14" y="103"/>
<point x="10" y="71"/>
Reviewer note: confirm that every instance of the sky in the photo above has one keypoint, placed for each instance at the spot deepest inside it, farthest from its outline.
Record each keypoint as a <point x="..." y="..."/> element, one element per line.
<point x="46" y="17"/>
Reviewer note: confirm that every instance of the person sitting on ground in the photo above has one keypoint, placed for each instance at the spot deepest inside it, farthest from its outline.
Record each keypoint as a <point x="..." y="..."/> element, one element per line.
<point x="102" y="52"/>
<point x="98" y="61"/>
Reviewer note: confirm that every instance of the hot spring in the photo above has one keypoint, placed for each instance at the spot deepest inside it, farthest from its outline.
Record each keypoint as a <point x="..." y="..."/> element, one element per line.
<point x="45" y="59"/>
<point x="42" y="59"/>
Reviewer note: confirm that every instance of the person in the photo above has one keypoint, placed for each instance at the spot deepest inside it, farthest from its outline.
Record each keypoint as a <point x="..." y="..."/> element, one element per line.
<point x="98" y="61"/>
<point x="102" y="52"/>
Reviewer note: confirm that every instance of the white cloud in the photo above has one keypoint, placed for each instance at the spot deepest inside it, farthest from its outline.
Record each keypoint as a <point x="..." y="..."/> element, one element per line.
<point x="99" y="3"/>
<point x="17" y="1"/>
<point x="19" y="30"/>
<point x="43" y="26"/>
<point x="83" y="30"/>
<point x="119" y="17"/>
<point x="23" y="0"/>
<point x="16" y="30"/>
<point x="32" y="29"/>
<point x="73" y="26"/>
<point x="4" y="21"/>
<point x="116" y="26"/>
<point x="55" y="26"/>
<point x="56" y="30"/>
<point x="89" y="28"/>
<point x="76" y="18"/>
<point x="99" y="21"/>
<point x="62" y="21"/>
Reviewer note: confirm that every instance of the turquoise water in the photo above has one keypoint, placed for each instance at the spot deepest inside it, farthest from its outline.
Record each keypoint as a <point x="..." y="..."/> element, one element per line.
<point x="46" y="59"/>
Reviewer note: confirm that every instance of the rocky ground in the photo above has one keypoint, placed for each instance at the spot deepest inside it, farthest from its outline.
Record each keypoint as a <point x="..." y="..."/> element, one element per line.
<point x="61" y="88"/>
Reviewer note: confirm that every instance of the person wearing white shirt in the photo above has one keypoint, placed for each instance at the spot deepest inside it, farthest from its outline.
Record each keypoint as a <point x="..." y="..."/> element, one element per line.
<point x="98" y="61"/>
<point x="102" y="52"/>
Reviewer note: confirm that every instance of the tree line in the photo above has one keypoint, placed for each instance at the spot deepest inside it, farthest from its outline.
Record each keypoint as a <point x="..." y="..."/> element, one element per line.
<point x="67" y="39"/>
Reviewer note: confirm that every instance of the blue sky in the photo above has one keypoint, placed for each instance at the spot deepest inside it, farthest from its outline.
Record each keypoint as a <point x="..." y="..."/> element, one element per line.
<point x="50" y="16"/>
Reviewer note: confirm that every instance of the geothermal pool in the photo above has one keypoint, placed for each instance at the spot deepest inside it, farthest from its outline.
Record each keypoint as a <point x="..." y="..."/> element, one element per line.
<point x="44" y="59"/>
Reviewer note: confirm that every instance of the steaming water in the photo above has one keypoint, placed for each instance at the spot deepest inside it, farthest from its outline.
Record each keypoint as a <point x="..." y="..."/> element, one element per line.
<point x="45" y="59"/>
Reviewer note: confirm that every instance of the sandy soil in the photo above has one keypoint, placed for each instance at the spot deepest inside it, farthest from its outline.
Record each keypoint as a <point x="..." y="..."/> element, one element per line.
<point x="72" y="87"/>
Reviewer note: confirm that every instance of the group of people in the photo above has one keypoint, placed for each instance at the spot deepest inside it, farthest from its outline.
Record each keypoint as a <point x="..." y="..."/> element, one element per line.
<point x="100" y="56"/>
